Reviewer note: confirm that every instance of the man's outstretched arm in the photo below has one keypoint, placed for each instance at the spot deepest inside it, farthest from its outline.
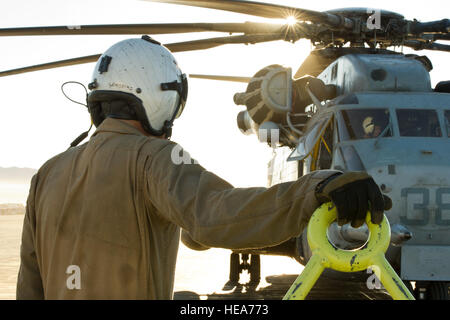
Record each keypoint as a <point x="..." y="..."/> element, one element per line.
<point x="218" y="215"/>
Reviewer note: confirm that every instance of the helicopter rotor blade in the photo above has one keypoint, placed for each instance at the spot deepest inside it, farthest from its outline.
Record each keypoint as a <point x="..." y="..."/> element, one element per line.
<point x="51" y="65"/>
<point x="435" y="37"/>
<point x="268" y="10"/>
<point x="220" y="78"/>
<point x="440" y="26"/>
<point x="215" y="42"/>
<point x="166" y="28"/>
<point x="174" y="47"/>
<point x="419" y="45"/>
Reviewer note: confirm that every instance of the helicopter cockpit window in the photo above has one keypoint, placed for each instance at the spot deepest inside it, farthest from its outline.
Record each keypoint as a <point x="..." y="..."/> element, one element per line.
<point x="447" y="122"/>
<point x="357" y="124"/>
<point x="418" y="123"/>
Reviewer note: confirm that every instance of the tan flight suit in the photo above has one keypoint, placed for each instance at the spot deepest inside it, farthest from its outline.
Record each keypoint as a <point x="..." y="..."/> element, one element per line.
<point x="103" y="219"/>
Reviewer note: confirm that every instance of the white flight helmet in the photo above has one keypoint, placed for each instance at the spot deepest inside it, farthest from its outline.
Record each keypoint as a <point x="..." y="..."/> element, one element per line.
<point x="145" y="75"/>
<point x="368" y="125"/>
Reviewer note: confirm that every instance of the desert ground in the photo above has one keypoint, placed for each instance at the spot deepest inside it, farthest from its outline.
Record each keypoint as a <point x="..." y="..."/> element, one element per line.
<point x="199" y="274"/>
<point x="10" y="232"/>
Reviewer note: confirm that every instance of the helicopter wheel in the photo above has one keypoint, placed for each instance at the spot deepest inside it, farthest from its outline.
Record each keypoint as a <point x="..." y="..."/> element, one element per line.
<point x="236" y="267"/>
<point x="432" y="290"/>
<point x="255" y="270"/>
<point x="234" y="272"/>
<point x="437" y="290"/>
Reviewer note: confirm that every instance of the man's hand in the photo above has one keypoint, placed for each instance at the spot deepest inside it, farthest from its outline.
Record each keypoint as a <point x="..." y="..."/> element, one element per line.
<point x="354" y="193"/>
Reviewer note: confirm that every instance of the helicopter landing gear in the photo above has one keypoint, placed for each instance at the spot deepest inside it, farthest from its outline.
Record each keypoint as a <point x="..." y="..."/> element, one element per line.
<point x="432" y="290"/>
<point x="437" y="290"/>
<point x="240" y="262"/>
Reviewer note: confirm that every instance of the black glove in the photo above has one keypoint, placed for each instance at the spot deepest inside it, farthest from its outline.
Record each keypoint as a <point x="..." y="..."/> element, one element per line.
<point x="354" y="193"/>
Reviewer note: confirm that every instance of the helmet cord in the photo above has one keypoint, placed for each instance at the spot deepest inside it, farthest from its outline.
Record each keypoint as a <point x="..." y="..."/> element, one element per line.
<point x="84" y="135"/>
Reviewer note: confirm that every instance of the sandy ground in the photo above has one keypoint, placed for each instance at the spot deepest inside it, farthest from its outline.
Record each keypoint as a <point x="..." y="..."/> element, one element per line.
<point x="200" y="273"/>
<point x="10" y="234"/>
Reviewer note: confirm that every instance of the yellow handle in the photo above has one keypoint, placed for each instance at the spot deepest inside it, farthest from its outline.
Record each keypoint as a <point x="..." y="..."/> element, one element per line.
<point x="325" y="255"/>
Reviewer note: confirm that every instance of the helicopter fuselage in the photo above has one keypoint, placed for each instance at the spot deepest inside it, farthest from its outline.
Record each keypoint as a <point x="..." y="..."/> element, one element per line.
<point x="412" y="168"/>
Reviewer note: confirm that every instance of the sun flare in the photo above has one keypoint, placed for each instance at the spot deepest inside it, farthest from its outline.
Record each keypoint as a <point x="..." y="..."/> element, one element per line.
<point x="291" y="20"/>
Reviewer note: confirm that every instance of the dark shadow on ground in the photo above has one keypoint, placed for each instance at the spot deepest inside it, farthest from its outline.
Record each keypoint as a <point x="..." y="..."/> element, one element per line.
<point x="326" y="288"/>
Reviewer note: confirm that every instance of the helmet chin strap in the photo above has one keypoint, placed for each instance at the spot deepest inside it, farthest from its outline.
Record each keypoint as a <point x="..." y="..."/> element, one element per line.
<point x="182" y="89"/>
<point x="168" y="124"/>
<point x="167" y="128"/>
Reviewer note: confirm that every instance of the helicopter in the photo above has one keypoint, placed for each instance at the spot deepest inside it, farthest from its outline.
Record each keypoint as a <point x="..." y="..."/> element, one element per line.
<point x="352" y="105"/>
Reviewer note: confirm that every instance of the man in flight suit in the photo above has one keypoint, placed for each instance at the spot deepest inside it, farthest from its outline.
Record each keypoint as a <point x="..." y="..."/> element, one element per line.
<point x="103" y="219"/>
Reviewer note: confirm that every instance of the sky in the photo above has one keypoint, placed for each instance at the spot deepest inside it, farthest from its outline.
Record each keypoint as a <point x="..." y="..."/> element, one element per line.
<point x="38" y="122"/>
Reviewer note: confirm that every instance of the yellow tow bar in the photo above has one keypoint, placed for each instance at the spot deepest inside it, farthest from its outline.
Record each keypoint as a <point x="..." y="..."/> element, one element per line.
<point x="325" y="255"/>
